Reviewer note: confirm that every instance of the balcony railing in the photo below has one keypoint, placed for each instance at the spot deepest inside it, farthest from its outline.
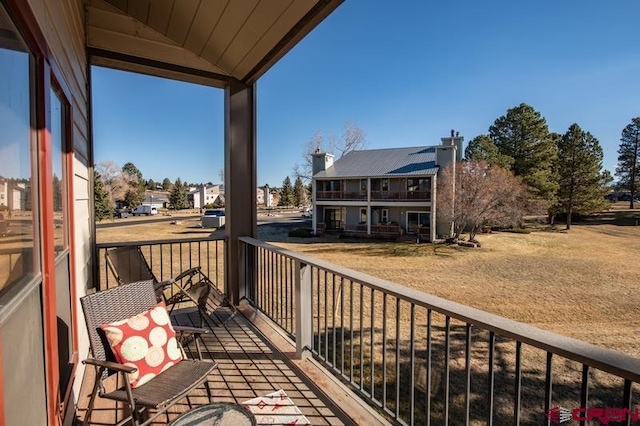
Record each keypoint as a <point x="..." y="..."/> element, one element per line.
<point x="401" y="195"/>
<point x="375" y="195"/>
<point x="167" y="258"/>
<point x="422" y="359"/>
<point x="341" y="195"/>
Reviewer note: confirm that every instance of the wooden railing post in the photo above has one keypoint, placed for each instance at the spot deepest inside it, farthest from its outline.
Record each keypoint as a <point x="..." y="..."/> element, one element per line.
<point x="304" y="312"/>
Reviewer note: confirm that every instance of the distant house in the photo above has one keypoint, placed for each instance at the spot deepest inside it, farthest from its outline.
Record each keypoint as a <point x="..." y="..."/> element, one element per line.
<point x="206" y="194"/>
<point x="14" y="195"/>
<point x="156" y="199"/>
<point x="264" y="197"/>
<point x="382" y="192"/>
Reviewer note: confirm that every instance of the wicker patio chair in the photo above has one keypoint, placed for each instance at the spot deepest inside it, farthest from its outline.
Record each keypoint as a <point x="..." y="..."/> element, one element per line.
<point x="162" y="391"/>
<point x="128" y="265"/>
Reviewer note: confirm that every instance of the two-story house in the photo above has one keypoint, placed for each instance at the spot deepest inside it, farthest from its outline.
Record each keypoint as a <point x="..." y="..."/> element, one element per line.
<point x="206" y="195"/>
<point x="382" y="192"/>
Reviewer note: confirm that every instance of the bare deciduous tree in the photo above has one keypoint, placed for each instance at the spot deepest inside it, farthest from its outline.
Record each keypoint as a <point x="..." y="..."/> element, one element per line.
<point x="353" y="138"/>
<point x="115" y="181"/>
<point x="484" y="194"/>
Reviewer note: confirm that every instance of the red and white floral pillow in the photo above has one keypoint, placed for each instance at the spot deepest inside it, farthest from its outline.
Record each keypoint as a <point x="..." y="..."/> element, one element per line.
<point x="146" y="341"/>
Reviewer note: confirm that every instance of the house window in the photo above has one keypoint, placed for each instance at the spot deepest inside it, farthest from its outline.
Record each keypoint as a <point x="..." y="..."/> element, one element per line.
<point x="417" y="220"/>
<point x="379" y="184"/>
<point x="59" y="147"/>
<point x="363" y="215"/>
<point x="418" y="184"/>
<point x="363" y="185"/>
<point x="18" y="261"/>
<point x="384" y="216"/>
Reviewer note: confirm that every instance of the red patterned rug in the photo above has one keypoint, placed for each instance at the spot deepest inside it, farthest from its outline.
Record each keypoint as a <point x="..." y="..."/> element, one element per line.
<point x="276" y="409"/>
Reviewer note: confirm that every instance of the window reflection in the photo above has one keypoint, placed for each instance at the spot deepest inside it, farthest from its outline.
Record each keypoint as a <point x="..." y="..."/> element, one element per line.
<point x="59" y="177"/>
<point x="16" y="176"/>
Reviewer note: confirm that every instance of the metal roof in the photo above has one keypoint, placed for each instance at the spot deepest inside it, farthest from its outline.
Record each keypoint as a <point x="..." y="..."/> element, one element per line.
<point x="212" y="42"/>
<point x="411" y="161"/>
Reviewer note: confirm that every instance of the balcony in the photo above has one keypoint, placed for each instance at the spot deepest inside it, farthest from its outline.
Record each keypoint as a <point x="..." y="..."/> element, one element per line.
<point x="400" y="195"/>
<point x="355" y="349"/>
<point x="341" y="195"/>
<point x="375" y="195"/>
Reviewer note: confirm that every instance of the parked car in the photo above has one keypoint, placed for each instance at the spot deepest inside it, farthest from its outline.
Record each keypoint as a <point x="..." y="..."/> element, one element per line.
<point x="307" y="212"/>
<point x="144" y="210"/>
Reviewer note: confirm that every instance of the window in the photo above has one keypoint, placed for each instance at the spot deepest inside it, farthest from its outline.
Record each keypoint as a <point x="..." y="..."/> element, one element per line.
<point x="363" y="215"/>
<point x="58" y="155"/>
<point x="18" y="255"/>
<point x="384" y="216"/>
<point x="380" y="184"/>
<point x="363" y="185"/>
<point x="418" y="184"/>
<point x="417" y="220"/>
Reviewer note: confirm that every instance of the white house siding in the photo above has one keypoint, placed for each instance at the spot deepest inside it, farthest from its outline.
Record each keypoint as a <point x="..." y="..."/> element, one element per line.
<point x="63" y="24"/>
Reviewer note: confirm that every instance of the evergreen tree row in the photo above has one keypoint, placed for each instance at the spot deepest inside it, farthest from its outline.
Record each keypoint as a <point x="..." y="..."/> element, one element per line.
<point x="563" y="173"/>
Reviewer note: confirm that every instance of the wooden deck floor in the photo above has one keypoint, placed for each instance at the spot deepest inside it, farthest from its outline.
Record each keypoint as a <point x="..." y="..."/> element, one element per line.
<point x="250" y="363"/>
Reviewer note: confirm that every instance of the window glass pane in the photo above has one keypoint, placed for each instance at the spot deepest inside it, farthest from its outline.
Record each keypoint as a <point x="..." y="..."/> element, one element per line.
<point x="17" y="222"/>
<point x="59" y="172"/>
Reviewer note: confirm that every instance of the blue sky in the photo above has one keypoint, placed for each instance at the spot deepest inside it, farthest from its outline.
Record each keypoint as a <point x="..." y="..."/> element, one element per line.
<point x="406" y="72"/>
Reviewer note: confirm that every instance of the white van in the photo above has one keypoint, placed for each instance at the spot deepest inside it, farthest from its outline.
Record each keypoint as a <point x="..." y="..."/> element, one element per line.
<point x="145" y="210"/>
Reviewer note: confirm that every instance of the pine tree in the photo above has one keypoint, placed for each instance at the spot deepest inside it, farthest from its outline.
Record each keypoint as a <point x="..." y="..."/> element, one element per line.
<point x="482" y="148"/>
<point x="579" y="169"/>
<point x="135" y="195"/>
<point x="178" y="197"/>
<point x="102" y="206"/>
<point x="300" y="193"/>
<point x="286" y="193"/>
<point x="523" y="135"/>
<point x="629" y="159"/>
<point x="151" y="184"/>
<point x="166" y="184"/>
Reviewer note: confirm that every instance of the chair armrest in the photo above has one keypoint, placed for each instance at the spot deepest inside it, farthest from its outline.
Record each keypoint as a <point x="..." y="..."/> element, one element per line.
<point x="190" y="330"/>
<point x="111" y="365"/>
<point x="188" y="272"/>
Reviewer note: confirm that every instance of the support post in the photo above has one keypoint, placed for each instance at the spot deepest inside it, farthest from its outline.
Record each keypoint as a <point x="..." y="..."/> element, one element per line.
<point x="240" y="179"/>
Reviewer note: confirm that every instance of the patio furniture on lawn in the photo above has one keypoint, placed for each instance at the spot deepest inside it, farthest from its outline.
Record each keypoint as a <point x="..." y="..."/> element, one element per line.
<point x="127" y="324"/>
<point x="220" y="414"/>
<point x="128" y="265"/>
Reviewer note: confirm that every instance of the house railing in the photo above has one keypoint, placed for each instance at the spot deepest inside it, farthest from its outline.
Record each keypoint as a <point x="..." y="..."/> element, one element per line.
<point x="401" y="195"/>
<point x="167" y="258"/>
<point x="421" y="359"/>
<point x="375" y="229"/>
<point x="341" y="195"/>
<point x="375" y="195"/>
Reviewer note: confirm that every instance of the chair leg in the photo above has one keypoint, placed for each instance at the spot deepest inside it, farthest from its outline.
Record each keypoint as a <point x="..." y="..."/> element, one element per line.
<point x="94" y="393"/>
<point x="208" y="388"/>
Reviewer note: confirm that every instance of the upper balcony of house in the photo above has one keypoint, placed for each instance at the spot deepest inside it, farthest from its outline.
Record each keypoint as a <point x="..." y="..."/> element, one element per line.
<point x="416" y="189"/>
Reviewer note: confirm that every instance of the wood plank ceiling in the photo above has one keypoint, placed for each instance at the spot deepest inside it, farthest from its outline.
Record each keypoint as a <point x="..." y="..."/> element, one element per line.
<point x="204" y="41"/>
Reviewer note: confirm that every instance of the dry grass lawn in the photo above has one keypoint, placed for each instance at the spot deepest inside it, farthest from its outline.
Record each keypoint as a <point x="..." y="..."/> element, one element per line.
<point x="584" y="283"/>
